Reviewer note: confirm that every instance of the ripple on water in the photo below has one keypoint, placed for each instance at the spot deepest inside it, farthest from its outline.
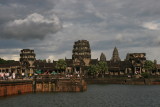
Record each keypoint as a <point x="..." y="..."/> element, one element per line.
<point x="95" y="96"/>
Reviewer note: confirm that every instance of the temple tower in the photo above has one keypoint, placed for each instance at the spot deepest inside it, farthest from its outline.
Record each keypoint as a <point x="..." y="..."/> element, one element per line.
<point x="102" y="57"/>
<point x="115" y="56"/>
<point x="81" y="54"/>
<point x="137" y="61"/>
<point x="81" y="50"/>
<point x="27" y="59"/>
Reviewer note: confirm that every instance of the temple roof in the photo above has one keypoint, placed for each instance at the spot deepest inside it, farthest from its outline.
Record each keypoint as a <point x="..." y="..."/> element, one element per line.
<point x="102" y="57"/>
<point x="118" y="65"/>
<point x="115" y="51"/>
<point x="115" y="56"/>
<point x="93" y="61"/>
<point x="69" y="62"/>
<point x="10" y="64"/>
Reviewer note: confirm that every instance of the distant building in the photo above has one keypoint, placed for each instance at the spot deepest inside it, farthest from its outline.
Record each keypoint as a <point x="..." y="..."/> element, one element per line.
<point x="81" y="60"/>
<point x="27" y="59"/>
<point x="115" y="56"/>
<point x="102" y="57"/>
<point x="137" y="61"/>
<point x="11" y="67"/>
<point x="81" y="57"/>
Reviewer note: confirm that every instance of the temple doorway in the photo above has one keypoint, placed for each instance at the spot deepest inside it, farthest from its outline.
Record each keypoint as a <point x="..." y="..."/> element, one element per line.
<point x="137" y="70"/>
<point x="77" y="69"/>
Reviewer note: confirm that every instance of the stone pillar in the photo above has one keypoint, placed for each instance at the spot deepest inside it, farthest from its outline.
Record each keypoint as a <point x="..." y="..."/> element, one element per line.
<point x="126" y="71"/>
<point x="50" y="87"/>
<point x="14" y="70"/>
<point x="9" y="70"/>
<point x="134" y="70"/>
<point x="80" y="70"/>
<point x="140" y="70"/>
<point x="53" y="87"/>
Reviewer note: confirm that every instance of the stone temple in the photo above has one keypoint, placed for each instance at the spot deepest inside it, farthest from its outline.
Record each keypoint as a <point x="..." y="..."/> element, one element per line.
<point x="102" y="57"/>
<point x="115" y="56"/>
<point x="27" y="59"/>
<point x="81" y="59"/>
<point x="81" y="55"/>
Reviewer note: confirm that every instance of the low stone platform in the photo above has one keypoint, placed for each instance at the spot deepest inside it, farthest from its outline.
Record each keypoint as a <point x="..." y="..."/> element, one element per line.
<point x="60" y="85"/>
<point x="13" y="87"/>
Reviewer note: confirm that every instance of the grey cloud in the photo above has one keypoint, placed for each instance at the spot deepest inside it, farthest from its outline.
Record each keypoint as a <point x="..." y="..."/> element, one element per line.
<point x="99" y="21"/>
<point x="124" y="17"/>
<point x="13" y="11"/>
<point x="34" y="26"/>
<point x="143" y="8"/>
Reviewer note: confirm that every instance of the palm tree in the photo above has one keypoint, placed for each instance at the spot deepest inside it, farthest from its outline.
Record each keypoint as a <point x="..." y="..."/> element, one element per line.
<point x="61" y="65"/>
<point x="102" y="68"/>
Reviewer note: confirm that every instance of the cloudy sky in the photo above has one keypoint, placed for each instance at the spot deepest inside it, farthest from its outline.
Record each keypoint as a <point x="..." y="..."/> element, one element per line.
<point x="51" y="27"/>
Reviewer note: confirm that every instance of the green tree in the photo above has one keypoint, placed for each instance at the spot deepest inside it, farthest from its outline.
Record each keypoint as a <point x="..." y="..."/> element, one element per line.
<point x="61" y="65"/>
<point x="2" y="61"/>
<point x="92" y="70"/>
<point x="149" y="65"/>
<point x="145" y="75"/>
<point x="102" y="68"/>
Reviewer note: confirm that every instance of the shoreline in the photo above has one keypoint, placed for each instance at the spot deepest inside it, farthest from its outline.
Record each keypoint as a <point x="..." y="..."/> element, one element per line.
<point x="17" y="87"/>
<point x="125" y="81"/>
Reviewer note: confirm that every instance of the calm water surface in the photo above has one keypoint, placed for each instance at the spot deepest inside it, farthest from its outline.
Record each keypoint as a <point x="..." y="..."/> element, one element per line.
<point x="95" y="96"/>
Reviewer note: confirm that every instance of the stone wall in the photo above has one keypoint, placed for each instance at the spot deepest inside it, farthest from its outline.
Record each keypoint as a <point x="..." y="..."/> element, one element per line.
<point x="61" y="86"/>
<point x="57" y="85"/>
<point x="15" y="87"/>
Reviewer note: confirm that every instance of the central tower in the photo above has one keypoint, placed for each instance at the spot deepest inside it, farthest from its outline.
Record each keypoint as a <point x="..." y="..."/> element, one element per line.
<point x="81" y="54"/>
<point x="81" y="50"/>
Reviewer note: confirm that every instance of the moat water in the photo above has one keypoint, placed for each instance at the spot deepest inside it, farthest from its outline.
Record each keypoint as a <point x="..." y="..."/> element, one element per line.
<point x="95" y="96"/>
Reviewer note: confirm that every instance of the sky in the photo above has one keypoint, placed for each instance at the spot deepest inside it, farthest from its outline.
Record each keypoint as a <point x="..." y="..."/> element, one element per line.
<point x="51" y="27"/>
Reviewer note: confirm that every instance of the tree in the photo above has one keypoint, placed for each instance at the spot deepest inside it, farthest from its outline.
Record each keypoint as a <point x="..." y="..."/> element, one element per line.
<point x="145" y="75"/>
<point x="2" y="61"/>
<point x="61" y="65"/>
<point x="149" y="65"/>
<point x="102" y="68"/>
<point x="92" y="70"/>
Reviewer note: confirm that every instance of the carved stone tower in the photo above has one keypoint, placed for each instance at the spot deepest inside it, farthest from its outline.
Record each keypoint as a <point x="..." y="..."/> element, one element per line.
<point x="115" y="56"/>
<point x="137" y="60"/>
<point x="27" y="59"/>
<point x="102" y="57"/>
<point x="81" y="54"/>
<point x="81" y="50"/>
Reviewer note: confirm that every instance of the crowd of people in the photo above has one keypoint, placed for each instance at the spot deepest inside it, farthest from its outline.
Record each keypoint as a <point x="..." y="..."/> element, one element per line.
<point x="13" y="76"/>
<point x="7" y="75"/>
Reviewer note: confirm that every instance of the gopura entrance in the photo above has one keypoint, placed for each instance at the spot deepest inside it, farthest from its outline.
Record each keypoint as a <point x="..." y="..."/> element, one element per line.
<point x="137" y="70"/>
<point x="77" y="69"/>
<point x="81" y="55"/>
<point x="137" y="60"/>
